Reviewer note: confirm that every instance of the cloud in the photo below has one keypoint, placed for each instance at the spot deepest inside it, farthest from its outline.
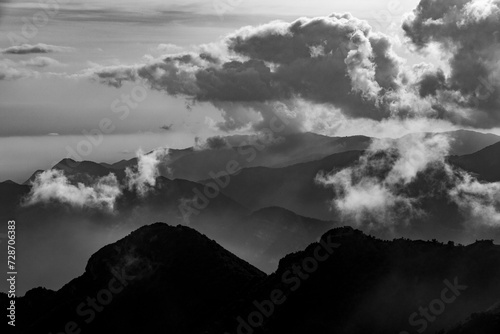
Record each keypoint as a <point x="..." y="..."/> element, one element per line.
<point x="372" y="189"/>
<point x="212" y="143"/>
<point x="390" y="183"/>
<point x="468" y="32"/>
<point x="169" y="48"/>
<point x="340" y="62"/>
<point x="10" y="70"/>
<point x="337" y="60"/>
<point x="480" y="202"/>
<point x="41" y="62"/>
<point x="37" y="48"/>
<point x="54" y="186"/>
<point x="143" y="177"/>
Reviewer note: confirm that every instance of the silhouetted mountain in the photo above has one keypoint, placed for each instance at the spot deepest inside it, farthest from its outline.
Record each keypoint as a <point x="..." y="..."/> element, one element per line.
<point x="32" y="177"/>
<point x="485" y="163"/>
<point x="368" y="285"/>
<point x="11" y="194"/>
<point x="10" y="182"/>
<point x="57" y="233"/>
<point x="480" y="323"/>
<point x="175" y="280"/>
<point x="159" y="277"/>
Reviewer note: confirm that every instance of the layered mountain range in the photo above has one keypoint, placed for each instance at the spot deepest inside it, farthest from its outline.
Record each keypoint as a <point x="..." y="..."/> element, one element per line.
<point x="162" y="278"/>
<point x="272" y="206"/>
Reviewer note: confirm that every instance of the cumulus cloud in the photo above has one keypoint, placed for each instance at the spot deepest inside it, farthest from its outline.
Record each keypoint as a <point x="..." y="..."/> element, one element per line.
<point x="337" y="60"/>
<point x="142" y="177"/>
<point x="36" y="48"/>
<point x="468" y="32"/>
<point x="54" y="186"/>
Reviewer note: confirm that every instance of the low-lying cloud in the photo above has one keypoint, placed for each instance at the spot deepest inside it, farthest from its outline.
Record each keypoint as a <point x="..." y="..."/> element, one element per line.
<point x="372" y="189"/>
<point x="392" y="180"/>
<point x="54" y="186"/>
<point x="142" y="177"/>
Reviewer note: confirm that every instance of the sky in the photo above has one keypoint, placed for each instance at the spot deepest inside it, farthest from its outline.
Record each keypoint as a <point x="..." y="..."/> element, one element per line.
<point x="56" y="97"/>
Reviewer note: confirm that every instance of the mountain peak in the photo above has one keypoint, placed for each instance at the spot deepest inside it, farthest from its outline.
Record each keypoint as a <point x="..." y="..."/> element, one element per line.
<point x="180" y="278"/>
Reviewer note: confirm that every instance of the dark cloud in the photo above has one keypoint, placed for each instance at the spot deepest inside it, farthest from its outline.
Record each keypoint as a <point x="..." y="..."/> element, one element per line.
<point x="432" y="82"/>
<point x="37" y="48"/>
<point x="468" y="31"/>
<point x="335" y="60"/>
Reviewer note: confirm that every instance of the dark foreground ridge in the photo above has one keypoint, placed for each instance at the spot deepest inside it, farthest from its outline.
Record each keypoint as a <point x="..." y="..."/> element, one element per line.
<point x="163" y="279"/>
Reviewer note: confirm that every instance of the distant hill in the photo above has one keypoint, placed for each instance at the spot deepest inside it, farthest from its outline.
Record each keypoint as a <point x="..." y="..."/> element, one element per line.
<point x="291" y="187"/>
<point x="467" y="142"/>
<point x="485" y="163"/>
<point x="287" y="151"/>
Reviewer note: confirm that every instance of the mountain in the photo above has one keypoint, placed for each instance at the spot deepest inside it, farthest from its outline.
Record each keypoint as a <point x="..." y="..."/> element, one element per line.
<point x="487" y="322"/>
<point x="249" y="152"/>
<point x="353" y="283"/>
<point x="81" y="171"/>
<point x="11" y="195"/>
<point x="485" y="163"/>
<point x="467" y="142"/>
<point x="54" y="232"/>
<point x="197" y="164"/>
<point x="158" y="277"/>
<point x="32" y="178"/>
<point x="291" y="187"/>
<point x="268" y="234"/>
<point x="175" y="280"/>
